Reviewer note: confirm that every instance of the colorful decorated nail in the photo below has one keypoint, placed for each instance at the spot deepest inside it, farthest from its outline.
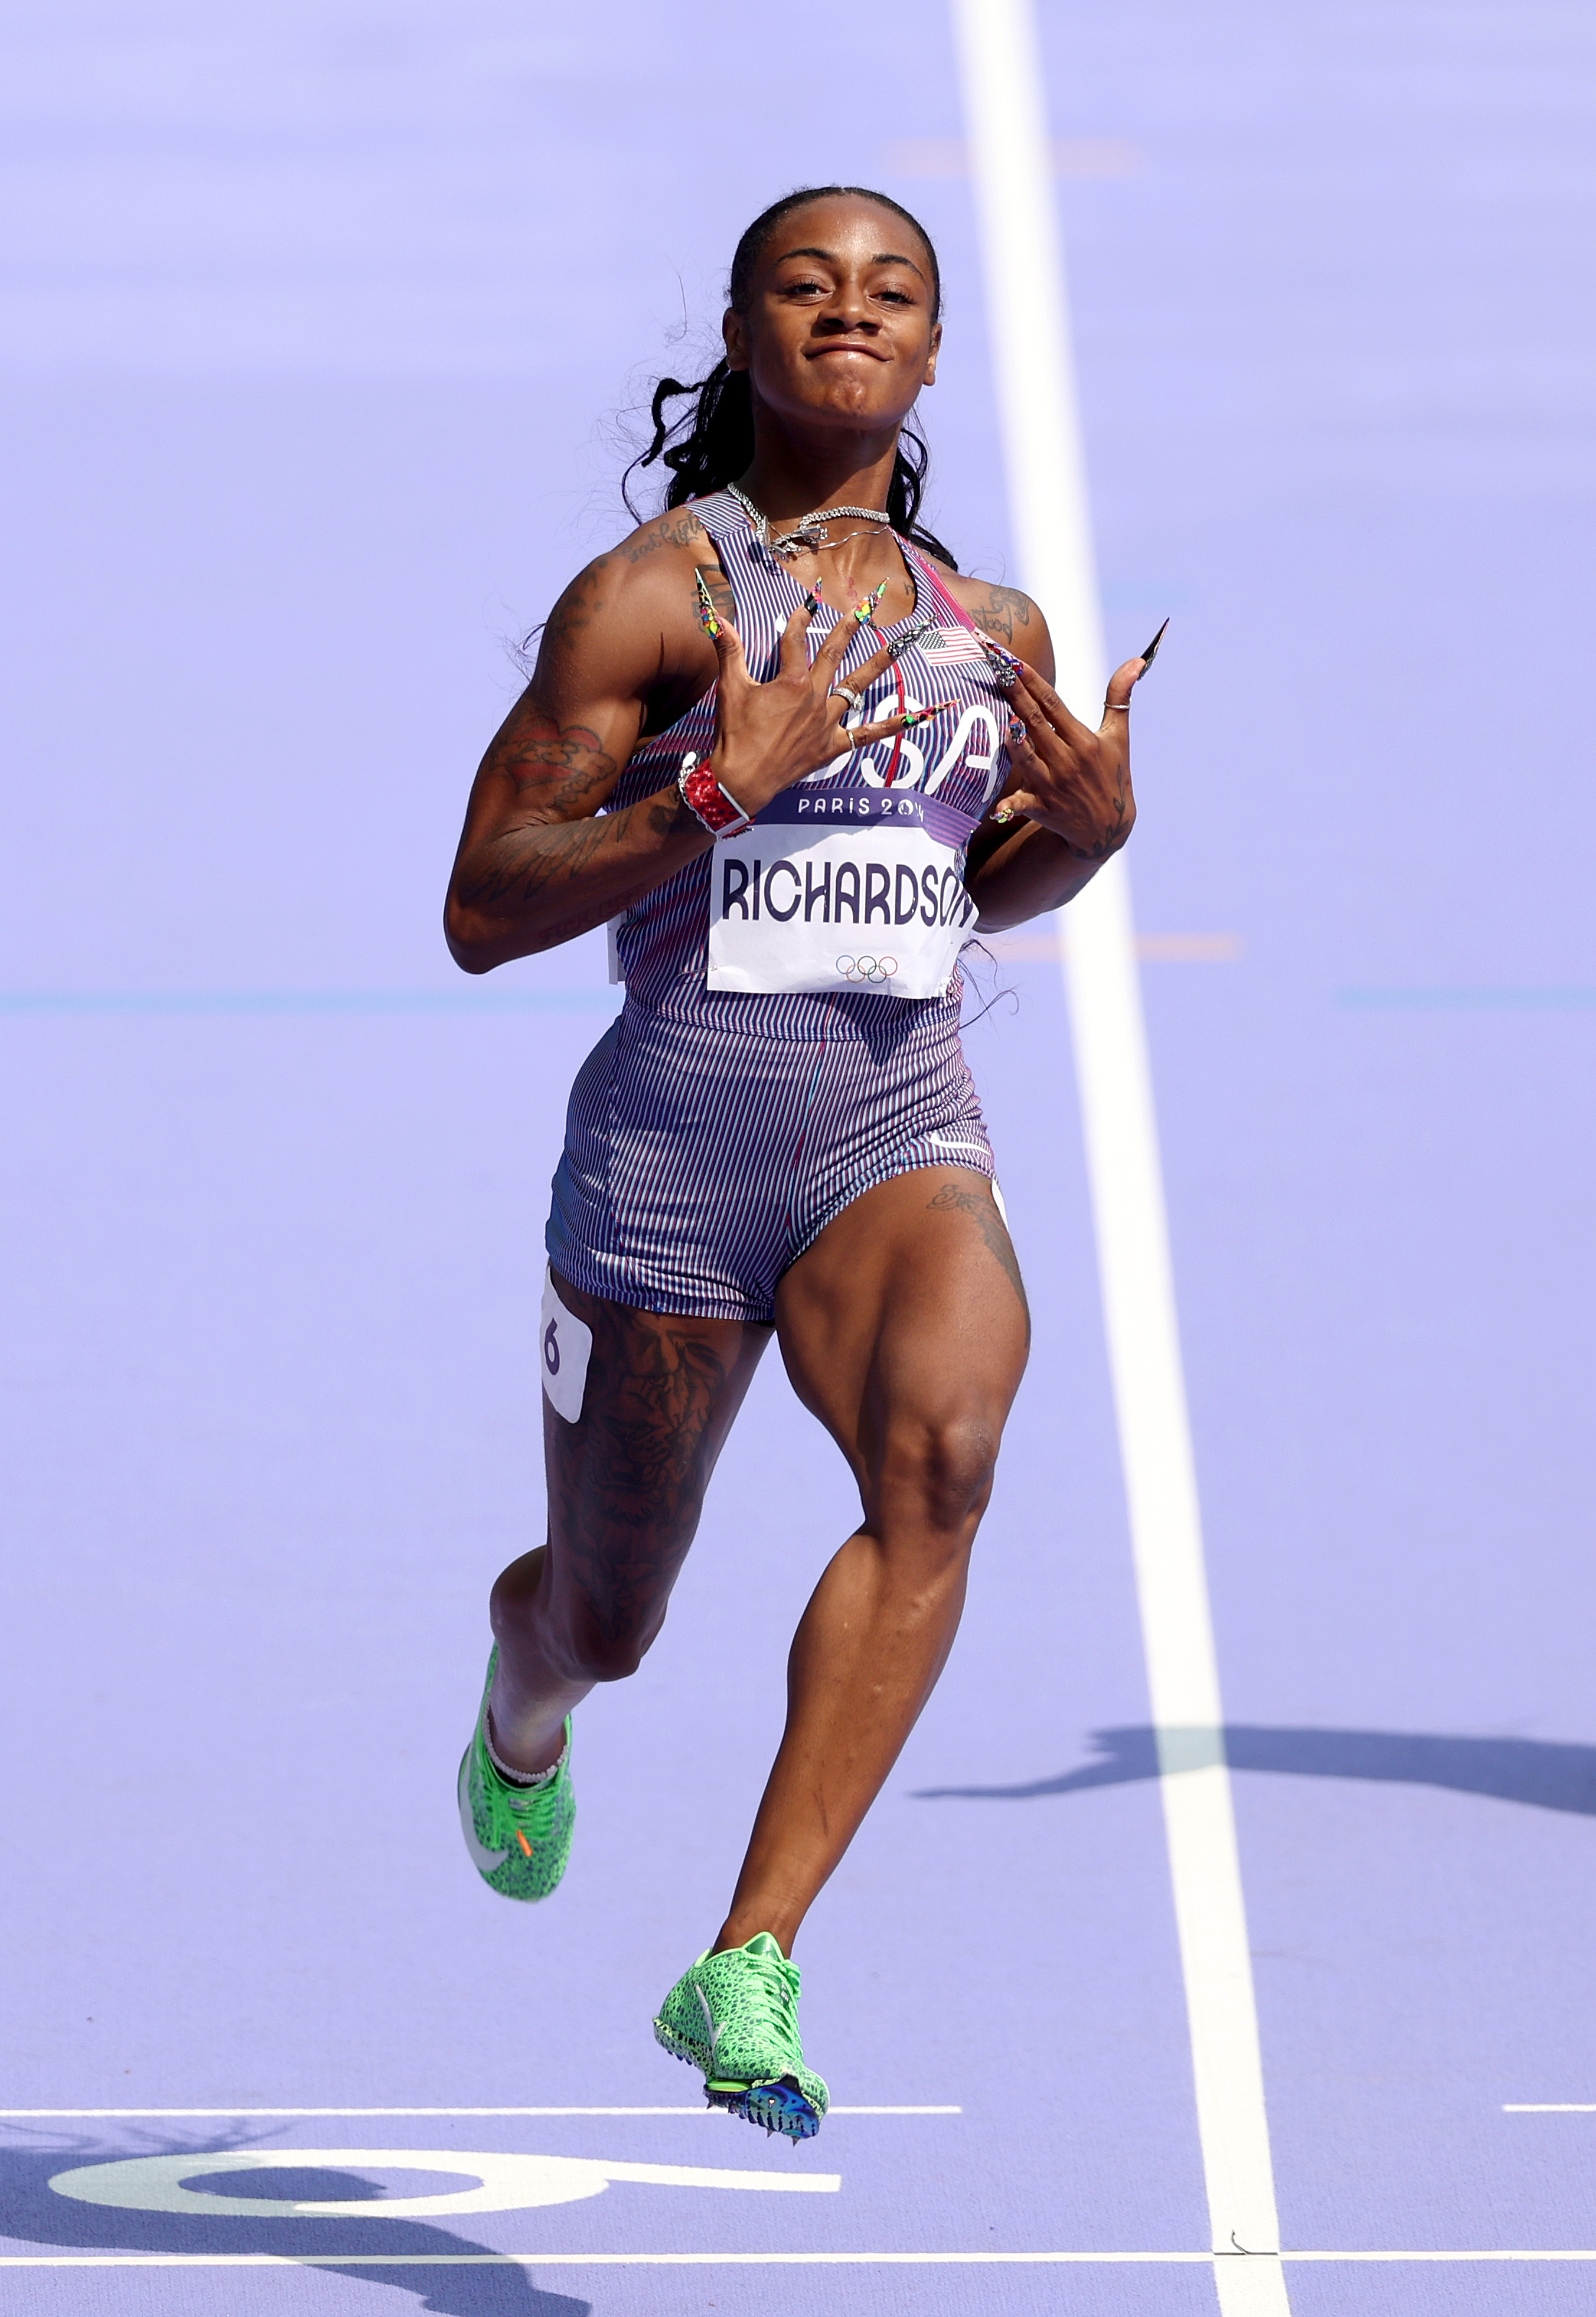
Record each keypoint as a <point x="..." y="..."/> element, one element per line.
<point x="1003" y="814"/>
<point x="901" y="644"/>
<point x="1016" y="730"/>
<point x="708" y="621"/>
<point x="812" y="600"/>
<point x="864" y="609"/>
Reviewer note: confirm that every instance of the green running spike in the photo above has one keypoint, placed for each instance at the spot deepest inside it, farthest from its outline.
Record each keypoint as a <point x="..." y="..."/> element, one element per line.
<point x="519" y="1837"/>
<point x="735" y="2015"/>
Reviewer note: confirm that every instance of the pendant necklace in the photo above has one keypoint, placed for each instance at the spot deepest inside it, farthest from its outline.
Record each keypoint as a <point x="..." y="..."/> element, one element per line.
<point x="811" y="532"/>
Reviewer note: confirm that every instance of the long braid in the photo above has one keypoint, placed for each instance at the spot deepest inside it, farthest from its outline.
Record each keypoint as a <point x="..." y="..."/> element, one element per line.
<point x="712" y="444"/>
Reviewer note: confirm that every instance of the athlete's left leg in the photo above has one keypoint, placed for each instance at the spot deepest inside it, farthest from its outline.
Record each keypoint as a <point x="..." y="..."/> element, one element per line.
<point x="905" y="1330"/>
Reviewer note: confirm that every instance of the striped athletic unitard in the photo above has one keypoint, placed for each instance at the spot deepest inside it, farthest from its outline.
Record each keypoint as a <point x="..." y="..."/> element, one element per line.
<point x="713" y="1133"/>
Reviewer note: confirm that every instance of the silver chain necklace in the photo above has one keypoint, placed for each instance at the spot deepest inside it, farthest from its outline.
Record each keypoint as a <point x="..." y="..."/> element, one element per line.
<point x="810" y="532"/>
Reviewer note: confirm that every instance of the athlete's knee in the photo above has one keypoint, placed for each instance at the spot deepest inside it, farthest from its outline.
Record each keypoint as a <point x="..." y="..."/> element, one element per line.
<point x="574" y="1636"/>
<point x="603" y="1644"/>
<point x="942" y="1466"/>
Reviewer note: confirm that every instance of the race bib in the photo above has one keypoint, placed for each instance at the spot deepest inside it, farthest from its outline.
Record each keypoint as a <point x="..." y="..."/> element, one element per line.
<point x="567" y="1344"/>
<point x="836" y="889"/>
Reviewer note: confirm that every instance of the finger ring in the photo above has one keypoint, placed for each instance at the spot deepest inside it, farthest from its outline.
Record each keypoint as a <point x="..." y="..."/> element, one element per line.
<point x="854" y="699"/>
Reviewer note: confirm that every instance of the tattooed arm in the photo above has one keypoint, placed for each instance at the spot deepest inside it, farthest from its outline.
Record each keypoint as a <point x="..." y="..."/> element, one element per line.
<point x="536" y="865"/>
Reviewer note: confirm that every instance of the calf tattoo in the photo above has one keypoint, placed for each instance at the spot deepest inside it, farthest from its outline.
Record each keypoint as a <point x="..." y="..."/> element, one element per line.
<point x="990" y="1224"/>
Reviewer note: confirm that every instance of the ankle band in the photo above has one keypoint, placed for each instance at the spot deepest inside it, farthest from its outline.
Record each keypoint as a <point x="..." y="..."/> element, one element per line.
<point x="528" y="1779"/>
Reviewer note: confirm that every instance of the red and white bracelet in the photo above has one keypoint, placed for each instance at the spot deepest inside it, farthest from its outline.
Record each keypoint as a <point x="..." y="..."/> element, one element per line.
<point x="707" y="800"/>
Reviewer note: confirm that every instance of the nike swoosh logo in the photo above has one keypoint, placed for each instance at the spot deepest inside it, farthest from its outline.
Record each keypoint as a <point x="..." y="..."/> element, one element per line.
<point x="487" y="1860"/>
<point x="715" y="2033"/>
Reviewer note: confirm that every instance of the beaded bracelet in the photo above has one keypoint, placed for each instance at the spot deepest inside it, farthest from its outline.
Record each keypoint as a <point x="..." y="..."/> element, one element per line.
<point x="707" y="800"/>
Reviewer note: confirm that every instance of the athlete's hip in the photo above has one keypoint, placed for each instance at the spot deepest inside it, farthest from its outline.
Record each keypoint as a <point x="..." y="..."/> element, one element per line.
<point x="697" y="1167"/>
<point x="718" y="1096"/>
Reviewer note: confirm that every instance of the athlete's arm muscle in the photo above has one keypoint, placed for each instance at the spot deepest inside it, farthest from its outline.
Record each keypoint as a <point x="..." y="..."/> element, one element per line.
<point x="536" y="866"/>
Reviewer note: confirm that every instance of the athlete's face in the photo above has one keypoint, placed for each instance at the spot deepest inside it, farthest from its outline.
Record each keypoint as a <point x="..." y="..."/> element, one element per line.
<point x="839" y="324"/>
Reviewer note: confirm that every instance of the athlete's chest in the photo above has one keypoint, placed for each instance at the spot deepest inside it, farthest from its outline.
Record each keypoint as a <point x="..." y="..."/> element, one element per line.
<point x="941" y="678"/>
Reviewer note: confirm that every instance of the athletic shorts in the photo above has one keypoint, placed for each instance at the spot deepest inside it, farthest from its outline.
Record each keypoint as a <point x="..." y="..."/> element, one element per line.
<point x="700" y="1162"/>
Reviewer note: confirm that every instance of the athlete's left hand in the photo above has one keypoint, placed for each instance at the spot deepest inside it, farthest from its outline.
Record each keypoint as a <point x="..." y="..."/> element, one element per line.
<point x="1063" y="776"/>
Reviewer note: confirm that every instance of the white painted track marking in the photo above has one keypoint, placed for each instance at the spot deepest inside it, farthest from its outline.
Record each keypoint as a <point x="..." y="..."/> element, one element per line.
<point x="722" y="2259"/>
<point x="1023" y="258"/>
<point x="702" y="2109"/>
<point x="504" y="2183"/>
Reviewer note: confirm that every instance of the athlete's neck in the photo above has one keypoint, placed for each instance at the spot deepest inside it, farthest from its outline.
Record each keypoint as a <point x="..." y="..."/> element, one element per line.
<point x="795" y="474"/>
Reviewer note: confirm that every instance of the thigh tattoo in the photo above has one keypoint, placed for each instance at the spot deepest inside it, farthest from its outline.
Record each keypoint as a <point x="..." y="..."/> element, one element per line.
<point x="625" y="1484"/>
<point x="990" y="1224"/>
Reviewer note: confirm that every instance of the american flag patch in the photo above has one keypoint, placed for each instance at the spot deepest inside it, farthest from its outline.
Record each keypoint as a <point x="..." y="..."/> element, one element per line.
<point x="953" y="647"/>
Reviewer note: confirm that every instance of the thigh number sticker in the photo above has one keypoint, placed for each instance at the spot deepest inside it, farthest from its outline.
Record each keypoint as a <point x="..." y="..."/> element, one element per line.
<point x="565" y="1342"/>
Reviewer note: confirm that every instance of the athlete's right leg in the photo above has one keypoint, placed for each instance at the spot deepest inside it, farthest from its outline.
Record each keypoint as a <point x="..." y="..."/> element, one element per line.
<point x="625" y="1485"/>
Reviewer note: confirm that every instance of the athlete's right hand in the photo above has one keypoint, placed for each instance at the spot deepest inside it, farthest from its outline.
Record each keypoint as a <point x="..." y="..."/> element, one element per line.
<point x="768" y="735"/>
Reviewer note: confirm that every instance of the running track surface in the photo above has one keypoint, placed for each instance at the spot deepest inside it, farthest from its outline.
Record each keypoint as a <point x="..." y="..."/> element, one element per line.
<point x="315" y="312"/>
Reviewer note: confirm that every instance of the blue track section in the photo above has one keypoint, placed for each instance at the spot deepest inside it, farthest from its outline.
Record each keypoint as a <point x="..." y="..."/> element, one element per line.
<point x="315" y="314"/>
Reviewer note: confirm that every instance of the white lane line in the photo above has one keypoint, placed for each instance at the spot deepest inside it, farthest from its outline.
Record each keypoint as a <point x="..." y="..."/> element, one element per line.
<point x="1259" y="2269"/>
<point x="574" y="2259"/>
<point x="1023" y="258"/>
<point x="700" y="2110"/>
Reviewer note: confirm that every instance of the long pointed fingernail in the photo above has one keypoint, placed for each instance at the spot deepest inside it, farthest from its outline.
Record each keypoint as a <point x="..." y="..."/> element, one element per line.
<point x="1016" y="729"/>
<point x="1151" y="653"/>
<point x="923" y="715"/>
<point x="812" y="602"/>
<point x="1005" y="812"/>
<point x="864" y="609"/>
<point x="706" y="618"/>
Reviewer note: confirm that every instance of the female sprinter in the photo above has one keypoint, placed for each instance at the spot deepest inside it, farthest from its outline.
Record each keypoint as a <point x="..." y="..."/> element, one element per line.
<point x="770" y="739"/>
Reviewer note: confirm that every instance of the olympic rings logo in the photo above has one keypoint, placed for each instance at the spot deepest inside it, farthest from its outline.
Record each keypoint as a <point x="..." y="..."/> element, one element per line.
<point x="867" y="969"/>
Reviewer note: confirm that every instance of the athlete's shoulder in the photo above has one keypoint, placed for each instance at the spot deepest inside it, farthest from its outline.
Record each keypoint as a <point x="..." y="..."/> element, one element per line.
<point x="1006" y="614"/>
<point x="634" y="564"/>
<point x="676" y="530"/>
<point x="618" y="607"/>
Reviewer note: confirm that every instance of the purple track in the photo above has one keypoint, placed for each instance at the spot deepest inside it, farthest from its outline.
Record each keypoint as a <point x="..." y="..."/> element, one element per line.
<point x="314" y="314"/>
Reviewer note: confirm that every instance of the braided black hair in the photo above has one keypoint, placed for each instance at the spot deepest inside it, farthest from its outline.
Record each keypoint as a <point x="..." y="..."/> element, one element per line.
<point x="709" y="446"/>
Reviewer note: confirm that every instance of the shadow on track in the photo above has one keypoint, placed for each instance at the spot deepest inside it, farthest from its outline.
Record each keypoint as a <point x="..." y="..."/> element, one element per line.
<point x="30" y="2209"/>
<point x="1542" y="1771"/>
